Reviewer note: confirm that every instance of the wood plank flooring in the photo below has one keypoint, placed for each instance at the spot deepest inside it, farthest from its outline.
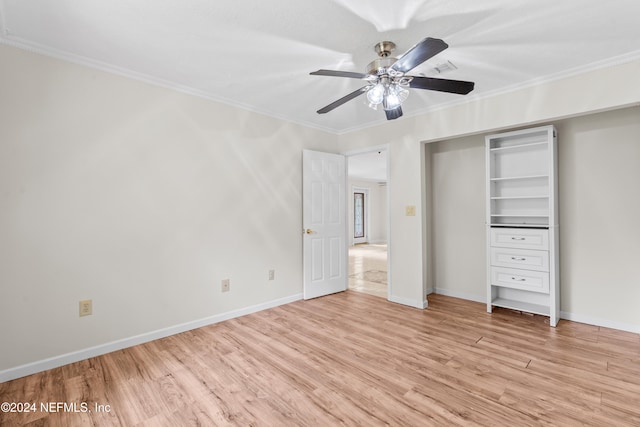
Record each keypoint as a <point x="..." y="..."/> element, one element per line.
<point x="353" y="359"/>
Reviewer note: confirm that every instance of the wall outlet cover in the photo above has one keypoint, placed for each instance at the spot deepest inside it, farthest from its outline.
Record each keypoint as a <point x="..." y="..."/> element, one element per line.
<point x="86" y="308"/>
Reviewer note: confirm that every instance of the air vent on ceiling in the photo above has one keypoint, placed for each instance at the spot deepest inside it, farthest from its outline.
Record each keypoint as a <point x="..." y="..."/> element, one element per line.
<point x="444" y="67"/>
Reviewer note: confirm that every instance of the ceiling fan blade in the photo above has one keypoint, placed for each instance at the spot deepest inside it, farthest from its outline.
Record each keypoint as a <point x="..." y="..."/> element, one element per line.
<point x="342" y="100"/>
<point x="443" y="85"/>
<point x="339" y="74"/>
<point x="419" y="53"/>
<point x="393" y="114"/>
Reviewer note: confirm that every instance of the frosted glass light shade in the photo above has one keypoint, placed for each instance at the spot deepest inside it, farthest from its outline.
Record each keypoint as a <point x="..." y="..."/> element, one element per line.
<point x="394" y="97"/>
<point x="375" y="95"/>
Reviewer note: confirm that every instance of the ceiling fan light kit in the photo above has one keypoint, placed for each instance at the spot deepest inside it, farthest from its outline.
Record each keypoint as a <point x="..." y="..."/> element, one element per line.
<point x="387" y="83"/>
<point x="388" y="87"/>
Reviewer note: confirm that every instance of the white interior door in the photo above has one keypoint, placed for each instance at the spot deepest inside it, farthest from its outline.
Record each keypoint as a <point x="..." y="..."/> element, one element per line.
<point x="325" y="224"/>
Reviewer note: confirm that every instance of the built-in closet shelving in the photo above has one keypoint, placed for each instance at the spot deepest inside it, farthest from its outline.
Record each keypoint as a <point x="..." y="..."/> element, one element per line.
<point x="522" y="221"/>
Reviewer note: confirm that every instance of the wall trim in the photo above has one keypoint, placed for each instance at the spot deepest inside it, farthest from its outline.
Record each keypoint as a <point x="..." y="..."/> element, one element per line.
<point x="17" y="42"/>
<point x="565" y="315"/>
<point x="595" y="321"/>
<point x="409" y="302"/>
<point x="36" y="48"/>
<point x="461" y="295"/>
<point x="65" y="359"/>
<point x="538" y="81"/>
<point x="98" y="350"/>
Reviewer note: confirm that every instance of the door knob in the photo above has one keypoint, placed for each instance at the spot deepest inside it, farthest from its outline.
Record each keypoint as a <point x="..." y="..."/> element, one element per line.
<point x="309" y="231"/>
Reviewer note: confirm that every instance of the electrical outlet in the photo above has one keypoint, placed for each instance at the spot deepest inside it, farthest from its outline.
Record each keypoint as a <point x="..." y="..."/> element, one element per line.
<point x="272" y="274"/>
<point x="86" y="308"/>
<point x="226" y="285"/>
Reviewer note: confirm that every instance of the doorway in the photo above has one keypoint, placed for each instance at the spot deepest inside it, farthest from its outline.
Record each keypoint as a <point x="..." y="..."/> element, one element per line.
<point x="367" y="174"/>
<point x="368" y="269"/>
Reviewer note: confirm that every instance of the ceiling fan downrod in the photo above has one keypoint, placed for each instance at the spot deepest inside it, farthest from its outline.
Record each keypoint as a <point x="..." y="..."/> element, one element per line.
<point x="384" y="49"/>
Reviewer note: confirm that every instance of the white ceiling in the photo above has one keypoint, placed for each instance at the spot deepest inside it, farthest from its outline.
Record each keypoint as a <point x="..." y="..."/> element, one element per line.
<point x="258" y="54"/>
<point x="370" y="166"/>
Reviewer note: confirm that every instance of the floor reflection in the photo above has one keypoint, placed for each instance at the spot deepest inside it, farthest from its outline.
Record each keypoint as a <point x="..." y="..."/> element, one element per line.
<point x="368" y="269"/>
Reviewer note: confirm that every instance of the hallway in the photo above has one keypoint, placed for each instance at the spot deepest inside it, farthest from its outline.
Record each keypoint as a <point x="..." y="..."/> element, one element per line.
<point x="368" y="269"/>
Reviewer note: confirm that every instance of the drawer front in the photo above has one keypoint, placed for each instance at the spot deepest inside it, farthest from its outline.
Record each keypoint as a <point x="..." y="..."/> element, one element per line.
<point x="528" y="280"/>
<point x="520" y="238"/>
<point x="520" y="258"/>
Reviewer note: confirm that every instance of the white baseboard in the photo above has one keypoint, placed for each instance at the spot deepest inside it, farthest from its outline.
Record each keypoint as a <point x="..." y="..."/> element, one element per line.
<point x="410" y="302"/>
<point x="605" y="323"/>
<point x="461" y="295"/>
<point x="65" y="359"/>
<point x="589" y="320"/>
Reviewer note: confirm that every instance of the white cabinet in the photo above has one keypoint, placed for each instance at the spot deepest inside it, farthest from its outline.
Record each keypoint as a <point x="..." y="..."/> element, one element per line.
<point x="520" y="258"/>
<point x="522" y="221"/>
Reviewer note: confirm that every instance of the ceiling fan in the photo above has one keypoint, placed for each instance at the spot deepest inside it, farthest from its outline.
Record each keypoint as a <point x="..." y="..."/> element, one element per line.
<point x="387" y="83"/>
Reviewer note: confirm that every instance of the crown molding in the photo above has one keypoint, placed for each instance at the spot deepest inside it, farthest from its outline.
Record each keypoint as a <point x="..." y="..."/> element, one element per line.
<point x="17" y="42"/>
<point x="7" y="39"/>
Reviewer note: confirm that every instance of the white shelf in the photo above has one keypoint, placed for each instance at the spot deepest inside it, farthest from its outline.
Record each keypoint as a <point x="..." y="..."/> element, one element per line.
<point x="521" y="306"/>
<point x="519" y="216"/>
<point x="511" y="178"/>
<point x="519" y="197"/>
<point x="519" y="220"/>
<point x="519" y="146"/>
<point x="513" y="225"/>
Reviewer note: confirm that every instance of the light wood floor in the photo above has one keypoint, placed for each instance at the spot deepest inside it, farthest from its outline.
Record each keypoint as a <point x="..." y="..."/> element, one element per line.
<point x="351" y="358"/>
<point x="368" y="269"/>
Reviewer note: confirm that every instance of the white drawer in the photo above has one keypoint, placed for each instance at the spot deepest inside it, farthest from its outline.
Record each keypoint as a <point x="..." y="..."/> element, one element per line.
<point x="528" y="280"/>
<point x="522" y="238"/>
<point x="520" y="258"/>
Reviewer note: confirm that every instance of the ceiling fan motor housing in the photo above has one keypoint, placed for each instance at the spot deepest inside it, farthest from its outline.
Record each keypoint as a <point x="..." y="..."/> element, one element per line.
<point x="380" y="65"/>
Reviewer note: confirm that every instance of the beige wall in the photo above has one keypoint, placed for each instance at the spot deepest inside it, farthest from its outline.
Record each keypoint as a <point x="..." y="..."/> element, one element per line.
<point x="599" y="179"/>
<point x="599" y="202"/>
<point x="139" y="198"/>
<point x="458" y="217"/>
